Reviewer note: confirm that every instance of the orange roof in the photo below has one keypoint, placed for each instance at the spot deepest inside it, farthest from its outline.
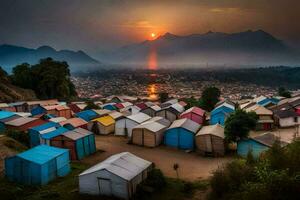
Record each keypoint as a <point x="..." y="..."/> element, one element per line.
<point x="75" y="122"/>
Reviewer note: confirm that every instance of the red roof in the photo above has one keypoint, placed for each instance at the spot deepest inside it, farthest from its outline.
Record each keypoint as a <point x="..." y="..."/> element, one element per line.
<point x="195" y="110"/>
<point x="119" y="105"/>
<point x="142" y="106"/>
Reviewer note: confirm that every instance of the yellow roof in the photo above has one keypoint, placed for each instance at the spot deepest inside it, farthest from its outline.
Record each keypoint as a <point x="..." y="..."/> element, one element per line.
<point x="106" y="120"/>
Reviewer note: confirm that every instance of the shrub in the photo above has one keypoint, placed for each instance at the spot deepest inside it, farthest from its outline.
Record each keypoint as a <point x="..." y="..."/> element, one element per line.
<point x="156" y="179"/>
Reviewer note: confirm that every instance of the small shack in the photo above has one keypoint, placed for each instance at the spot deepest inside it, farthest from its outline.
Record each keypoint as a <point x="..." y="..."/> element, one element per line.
<point x="45" y="138"/>
<point x="257" y="145"/>
<point x="23" y="123"/>
<point x="151" y="110"/>
<point x="171" y="112"/>
<point x="210" y="140"/>
<point x="286" y="118"/>
<point x="124" y="126"/>
<point x="73" y="123"/>
<point x="87" y="115"/>
<point x="79" y="141"/>
<point x="265" y="117"/>
<point x="6" y="116"/>
<point x="220" y="113"/>
<point x="38" y="166"/>
<point x="195" y="114"/>
<point x="117" y="176"/>
<point x="103" y="125"/>
<point x="148" y="134"/>
<point x="181" y="134"/>
<point x="36" y="132"/>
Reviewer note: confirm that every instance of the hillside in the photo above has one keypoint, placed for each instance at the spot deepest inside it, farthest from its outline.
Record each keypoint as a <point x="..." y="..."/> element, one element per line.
<point x="11" y="93"/>
<point x="11" y="56"/>
<point x="214" y="48"/>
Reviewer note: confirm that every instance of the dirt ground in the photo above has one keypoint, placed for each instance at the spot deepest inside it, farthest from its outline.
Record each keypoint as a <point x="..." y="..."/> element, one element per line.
<point x="191" y="165"/>
<point x="285" y="134"/>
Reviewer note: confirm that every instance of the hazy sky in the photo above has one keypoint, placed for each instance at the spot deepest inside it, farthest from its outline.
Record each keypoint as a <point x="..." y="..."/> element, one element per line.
<point x="100" y="25"/>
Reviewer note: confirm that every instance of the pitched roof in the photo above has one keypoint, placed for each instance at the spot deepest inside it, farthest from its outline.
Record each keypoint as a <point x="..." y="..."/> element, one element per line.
<point x="151" y="126"/>
<point x="160" y="120"/>
<point x="45" y="126"/>
<point x="58" y="119"/>
<point x="4" y="105"/>
<point x="216" y="130"/>
<point x="41" y="154"/>
<point x="54" y="133"/>
<point x="195" y="110"/>
<point x="124" y="165"/>
<point x="186" y="124"/>
<point x="20" y="121"/>
<point x="285" y="113"/>
<point x="75" y="122"/>
<point x="6" y="114"/>
<point x="105" y="120"/>
<point x="268" y="139"/>
<point x="142" y="106"/>
<point x="77" y="134"/>
<point x="56" y="107"/>
<point x="139" y="117"/>
<point x="259" y="110"/>
<point x="116" y="115"/>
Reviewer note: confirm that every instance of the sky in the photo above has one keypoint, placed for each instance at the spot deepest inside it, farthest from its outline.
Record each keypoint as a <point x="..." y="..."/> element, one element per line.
<point x="98" y="26"/>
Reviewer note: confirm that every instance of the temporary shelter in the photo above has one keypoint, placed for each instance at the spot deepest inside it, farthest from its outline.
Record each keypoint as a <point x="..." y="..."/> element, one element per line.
<point x="38" y="165"/>
<point x="181" y="134"/>
<point x="87" y="115"/>
<point x="210" y="140"/>
<point x="172" y="112"/>
<point x="149" y="134"/>
<point x="103" y="125"/>
<point x="30" y="105"/>
<point x="195" y="114"/>
<point x="19" y="106"/>
<point x="116" y="176"/>
<point x="56" y="110"/>
<point x="102" y="112"/>
<point x="161" y="120"/>
<point x="116" y="115"/>
<point x="6" y="116"/>
<point x="257" y="144"/>
<point x="265" y="117"/>
<point x="124" y="126"/>
<point x="23" y="123"/>
<point x="77" y="107"/>
<point x="109" y="106"/>
<point x="36" y="132"/>
<point x="57" y="119"/>
<point x="286" y="118"/>
<point x="45" y="138"/>
<point x="6" y="107"/>
<point x="151" y="110"/>
<point x="79" y="141"/>
<point x="220" y="113"/>
<point x="73" y="123"/>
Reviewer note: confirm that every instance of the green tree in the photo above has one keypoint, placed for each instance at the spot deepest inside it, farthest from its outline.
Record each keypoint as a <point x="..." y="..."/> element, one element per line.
<point x="284" y="93"/>
<point x="238" y="124"/>
<point x="210" y="96"/>
<point x="22" y="76"/>
<point x="191" y="102"/>
<point x="90" y="105"/>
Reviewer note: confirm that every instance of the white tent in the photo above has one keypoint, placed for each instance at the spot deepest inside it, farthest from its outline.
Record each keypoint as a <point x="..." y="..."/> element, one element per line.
<point x="124" y="126"/>
<point x="116" y="176"/>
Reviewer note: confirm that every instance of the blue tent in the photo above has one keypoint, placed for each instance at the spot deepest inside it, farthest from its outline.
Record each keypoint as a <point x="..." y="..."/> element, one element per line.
<point x="4" y="115"/>
<point x="181" y="134"/>
<point x="109" y="107"/>
<point x="38" y="110"/>
<point x="219" y="115"/>
<point x="267" y="101"/>
<point x="38" y="165"/>
<point x="36" y="132"/>
<point x="87" y="115"/>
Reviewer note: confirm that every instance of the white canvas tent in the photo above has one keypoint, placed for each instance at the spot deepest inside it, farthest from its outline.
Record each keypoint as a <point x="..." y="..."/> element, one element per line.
<point x="116" y="176"/>
<point x="124" y="126"/>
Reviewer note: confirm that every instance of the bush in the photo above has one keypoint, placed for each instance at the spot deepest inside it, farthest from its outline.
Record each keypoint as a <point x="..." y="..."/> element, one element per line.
<point x="20" y="136"/>
<point x="156" y="179"/>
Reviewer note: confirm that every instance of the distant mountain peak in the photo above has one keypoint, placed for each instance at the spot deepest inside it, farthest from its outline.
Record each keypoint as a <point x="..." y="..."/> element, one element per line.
<point x="168" y="36"/>
<point x="45" y="48"/>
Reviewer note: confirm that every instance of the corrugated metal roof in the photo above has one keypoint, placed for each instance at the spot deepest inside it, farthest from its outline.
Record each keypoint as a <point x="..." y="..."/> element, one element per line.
<point x="87" y="115"/>
<point x="186" y="124"/>
<point x="161" y="120"/>
<point x="75" y="122"/>
<point x="216" y="130"/>
<point x="226" y="105"/>
<point x="58" y="119"/>
<point x="23" y="114"/>
<point x="259" y="110"/>
<point x="177" y="107"/>
<point x="45" y="126"/>
<point x="195" y="110"/>
<point x="124" y="165"/>
<point x="139" y="117"/>
<point x="102" y="112"/>
<point x="20" y="121"/>
<point x="6" y="114"/>
<point x="116" y="115"/>
<point x="151" y="126"/>
<point x="106" y="120"/>
<point x="4" y="105"/>
<point x="54" y="133"/>
<point x="156" y="108"/>
<point x="42" y="154"/>
<point x="77" y="134"/>
<point x="268" y="139"/>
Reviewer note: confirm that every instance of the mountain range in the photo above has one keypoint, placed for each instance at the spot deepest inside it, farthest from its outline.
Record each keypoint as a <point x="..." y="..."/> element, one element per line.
<point x="213" y="48"/>
<point x="11" y="56"/>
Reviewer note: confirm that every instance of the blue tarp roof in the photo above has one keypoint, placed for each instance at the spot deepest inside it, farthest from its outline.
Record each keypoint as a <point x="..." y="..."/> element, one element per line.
<point x="55" y="133"/>
<point x="6" y="114"/>
<point x="45" y="126"/>
<point x="87" y="115"/>
<point x="42" y="154"/>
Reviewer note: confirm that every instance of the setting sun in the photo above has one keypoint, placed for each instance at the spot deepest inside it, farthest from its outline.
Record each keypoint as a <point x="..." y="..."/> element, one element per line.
<point x="153" y="35"/>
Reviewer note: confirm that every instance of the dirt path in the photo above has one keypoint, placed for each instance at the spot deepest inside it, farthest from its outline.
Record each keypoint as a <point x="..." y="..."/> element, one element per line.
<point x="191" y="165"/>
